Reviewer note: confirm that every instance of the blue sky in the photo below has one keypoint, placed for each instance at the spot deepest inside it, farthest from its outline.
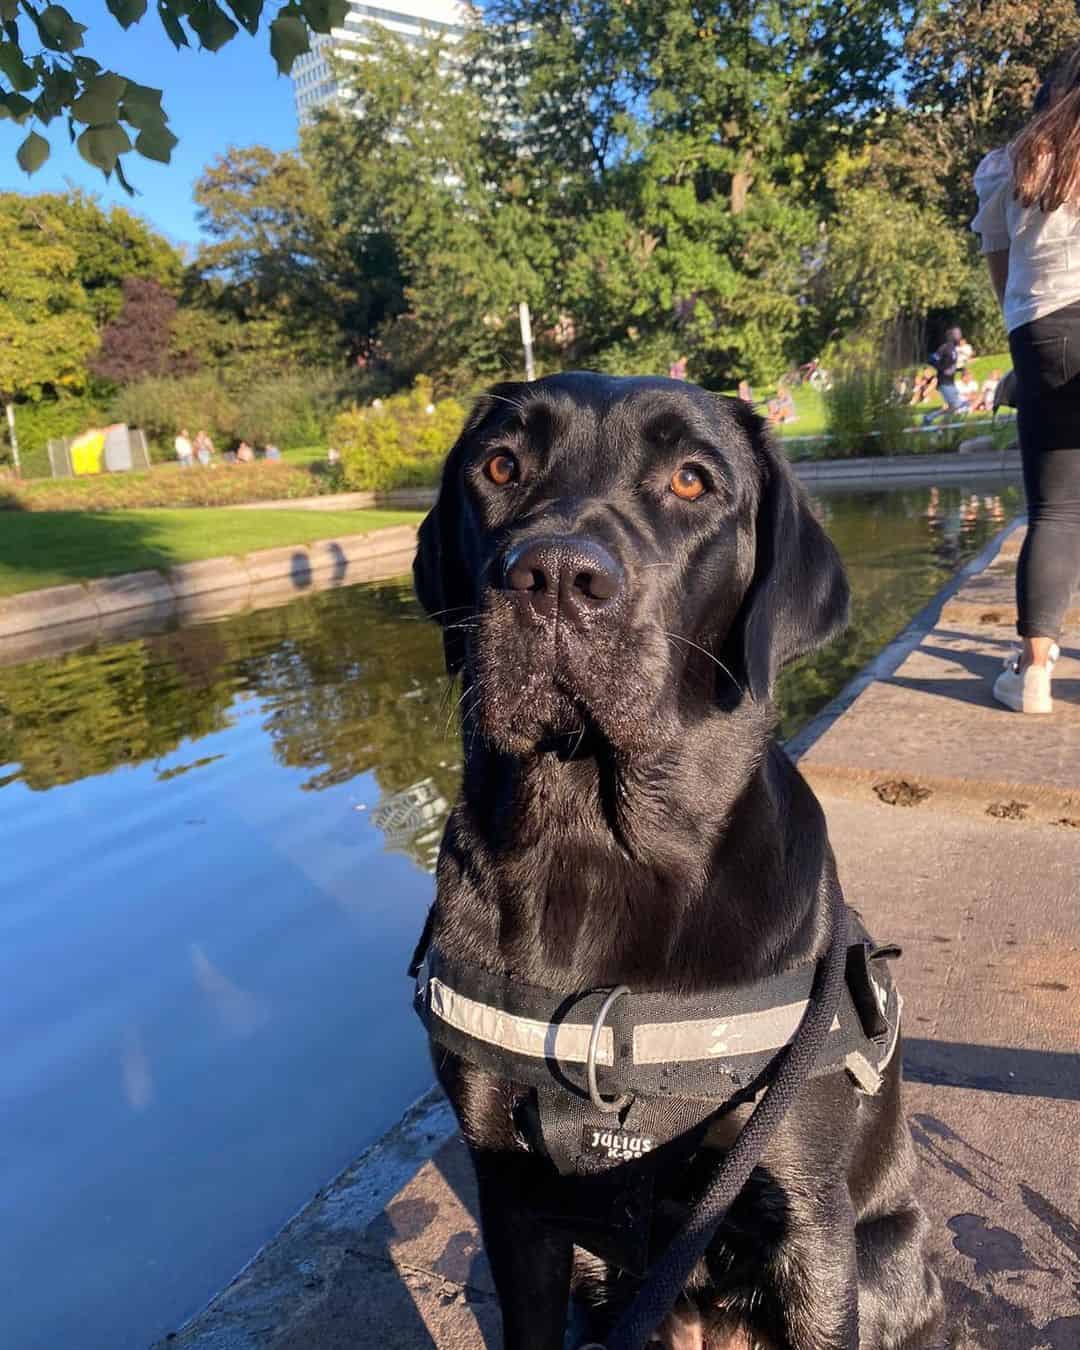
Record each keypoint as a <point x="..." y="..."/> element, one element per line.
<point x="214" y="99"/>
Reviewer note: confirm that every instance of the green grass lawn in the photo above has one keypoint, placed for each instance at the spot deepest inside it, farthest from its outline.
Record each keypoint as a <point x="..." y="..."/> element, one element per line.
<point x="810" y="417"/>
<point x="50" y="548"/>
<point x="305" y="455"/>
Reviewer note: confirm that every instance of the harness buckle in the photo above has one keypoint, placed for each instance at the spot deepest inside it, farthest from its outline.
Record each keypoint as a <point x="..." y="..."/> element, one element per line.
<point x="601" y="1103"/>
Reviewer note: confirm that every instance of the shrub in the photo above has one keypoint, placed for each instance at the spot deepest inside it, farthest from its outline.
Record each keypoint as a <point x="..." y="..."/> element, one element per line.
<point x="289" y="410"/>
<point x="167" y="485"/>
<point x="36" y="424"/>
<point x="399" y="442"/>
<point x="161" y="406"/>
<point x="863" y="412"/>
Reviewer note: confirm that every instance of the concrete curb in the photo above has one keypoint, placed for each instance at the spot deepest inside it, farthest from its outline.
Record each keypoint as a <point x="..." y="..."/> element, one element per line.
<point x="203" y="589"/>
<point x="897" y="468"/>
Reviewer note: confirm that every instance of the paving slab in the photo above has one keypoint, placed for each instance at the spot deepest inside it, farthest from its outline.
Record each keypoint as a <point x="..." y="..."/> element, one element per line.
<point x="988" y="914"/>
<point x="934" y="724"/>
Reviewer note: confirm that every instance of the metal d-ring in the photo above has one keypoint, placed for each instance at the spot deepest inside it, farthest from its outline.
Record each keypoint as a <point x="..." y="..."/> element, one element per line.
<point x="609" y="1108"/>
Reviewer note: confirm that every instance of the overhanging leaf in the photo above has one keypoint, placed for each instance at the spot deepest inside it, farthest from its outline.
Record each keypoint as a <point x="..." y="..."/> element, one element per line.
<point x="122" y="179"/>
<point x="59" y="88"/>
<point x="156" y="143"/>
<point x="323" y="15"/>
<point x="19" y="74"/>
<point x="59" y="30"/>
<point x="15" y="107"/>
<point x="142" y="106"/>
<point x="33" y="153"/>
<point x="172" y="25"/>
<point x="126" y="12"/>
<point x="100" y="99"/>
<point x="288" y="40"/>
<point x="102" y="146"/>
<point x="213" y="26"/>
<point x="9" y="10"/>
<point x="249" y="12"/>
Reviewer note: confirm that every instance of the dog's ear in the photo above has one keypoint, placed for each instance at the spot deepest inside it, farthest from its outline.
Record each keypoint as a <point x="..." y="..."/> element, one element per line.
<point x="440" y="578"/>
<point x="798" y="598"/>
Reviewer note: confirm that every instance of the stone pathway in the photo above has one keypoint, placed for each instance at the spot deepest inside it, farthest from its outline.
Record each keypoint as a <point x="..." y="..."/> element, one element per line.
<point x="956" y="826"/>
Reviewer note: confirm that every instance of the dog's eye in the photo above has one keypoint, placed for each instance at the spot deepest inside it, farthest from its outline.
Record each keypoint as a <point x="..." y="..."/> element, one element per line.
<point x="687" y="483"/>
<point x="501" y="469"/>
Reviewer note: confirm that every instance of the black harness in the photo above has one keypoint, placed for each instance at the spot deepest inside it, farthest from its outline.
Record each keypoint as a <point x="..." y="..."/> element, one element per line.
<point x="621" y="1080"/>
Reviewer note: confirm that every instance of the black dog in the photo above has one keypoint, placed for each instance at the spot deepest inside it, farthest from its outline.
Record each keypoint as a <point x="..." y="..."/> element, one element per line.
<point x="621" y="567"/>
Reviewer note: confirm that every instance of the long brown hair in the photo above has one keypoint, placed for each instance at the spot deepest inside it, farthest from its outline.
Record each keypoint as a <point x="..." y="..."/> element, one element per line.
<point x="1046" y="154"/>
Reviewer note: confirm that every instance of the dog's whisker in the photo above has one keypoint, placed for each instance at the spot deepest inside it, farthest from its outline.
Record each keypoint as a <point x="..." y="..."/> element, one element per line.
<point x="678" y="637"/>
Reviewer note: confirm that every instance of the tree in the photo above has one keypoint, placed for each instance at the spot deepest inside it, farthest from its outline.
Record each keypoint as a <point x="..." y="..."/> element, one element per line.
<point x="46" y="331"/>
<point x="276" y="255"/>
<point x="45" y="72"/>
<point x="138" y="341"/>
<point x="436" y="210"/>
<point x="109" y="247"/>
<point x="973" y="69"/>
<point x="886" y="259"/>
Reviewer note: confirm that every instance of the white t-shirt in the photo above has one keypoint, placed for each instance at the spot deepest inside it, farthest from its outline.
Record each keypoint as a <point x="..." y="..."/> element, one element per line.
<point x="1044" y="247"/>
<point x="183" y="448"/>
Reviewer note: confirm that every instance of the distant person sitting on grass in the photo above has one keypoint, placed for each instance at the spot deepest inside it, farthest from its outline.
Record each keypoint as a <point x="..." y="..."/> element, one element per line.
<point x="745" y="392"/>
<point x="271" y="452"/>
<point x="244" y="453"/>
<point x="985" y="401"/>
<point x="781" y="408"/>
<point x="185" y="452"/>
<point x="968" y="389"/>
<point x="204" y="449"/>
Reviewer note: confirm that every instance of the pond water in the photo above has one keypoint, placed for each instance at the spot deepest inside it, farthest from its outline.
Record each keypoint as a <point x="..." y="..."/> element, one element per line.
<point x="217" y="845"/>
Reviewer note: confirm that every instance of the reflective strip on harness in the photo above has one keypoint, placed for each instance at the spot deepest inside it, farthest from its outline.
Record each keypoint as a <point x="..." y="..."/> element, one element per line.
<point x="653" y="1042"/>
<point x="566" y="1041"/>
<point x="718" y="1038"/>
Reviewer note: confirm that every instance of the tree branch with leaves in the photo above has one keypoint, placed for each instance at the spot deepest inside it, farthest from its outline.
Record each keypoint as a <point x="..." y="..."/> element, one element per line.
<point x="46" y="74"/>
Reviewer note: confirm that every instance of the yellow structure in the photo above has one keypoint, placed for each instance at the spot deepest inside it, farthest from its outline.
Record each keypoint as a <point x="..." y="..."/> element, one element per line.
<point x="88" y="452"/>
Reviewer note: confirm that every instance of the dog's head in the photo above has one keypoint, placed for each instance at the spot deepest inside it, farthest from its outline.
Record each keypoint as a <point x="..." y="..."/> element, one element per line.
<point x="610" y="557"/>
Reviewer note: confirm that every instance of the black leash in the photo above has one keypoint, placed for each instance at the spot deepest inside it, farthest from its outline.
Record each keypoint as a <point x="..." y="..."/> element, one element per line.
<point x="667" y="1279"/>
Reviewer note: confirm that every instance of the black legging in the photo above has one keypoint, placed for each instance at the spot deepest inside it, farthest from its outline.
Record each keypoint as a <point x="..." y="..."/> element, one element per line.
<point x="1046" y="358"/>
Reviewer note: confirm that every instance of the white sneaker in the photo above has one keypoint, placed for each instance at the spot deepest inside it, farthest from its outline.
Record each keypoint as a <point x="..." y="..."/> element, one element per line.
<point x="1026" y="690"/>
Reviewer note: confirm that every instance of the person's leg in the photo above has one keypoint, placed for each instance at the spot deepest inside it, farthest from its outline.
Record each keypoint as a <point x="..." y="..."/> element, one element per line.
<point x="1049" y="567"/>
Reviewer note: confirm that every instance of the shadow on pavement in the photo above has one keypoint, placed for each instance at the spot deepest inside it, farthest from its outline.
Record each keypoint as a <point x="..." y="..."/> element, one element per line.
<point x="994" y="1068"/>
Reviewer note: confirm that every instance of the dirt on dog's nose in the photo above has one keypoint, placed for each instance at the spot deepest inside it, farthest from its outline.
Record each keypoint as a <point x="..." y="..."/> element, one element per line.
<point x="574" y="577"/>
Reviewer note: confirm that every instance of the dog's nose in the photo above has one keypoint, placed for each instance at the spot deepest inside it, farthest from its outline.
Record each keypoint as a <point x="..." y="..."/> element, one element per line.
<point x="576" y="576"/>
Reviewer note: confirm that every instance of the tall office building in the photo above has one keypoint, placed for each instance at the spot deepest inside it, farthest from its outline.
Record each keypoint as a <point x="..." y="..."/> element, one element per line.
<point x="415" y="21"/>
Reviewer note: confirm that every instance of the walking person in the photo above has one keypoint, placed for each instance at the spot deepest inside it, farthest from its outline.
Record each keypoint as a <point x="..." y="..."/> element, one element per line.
<point x="947" y="362"/>
<point x="1029" y="224"/>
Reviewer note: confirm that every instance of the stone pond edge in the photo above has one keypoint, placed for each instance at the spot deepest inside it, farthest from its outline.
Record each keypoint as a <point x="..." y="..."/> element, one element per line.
<point x="179" y="589"/>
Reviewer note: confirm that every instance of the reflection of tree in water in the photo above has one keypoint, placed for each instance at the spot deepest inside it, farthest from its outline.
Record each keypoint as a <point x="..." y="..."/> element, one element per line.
<point x="71" y="717"/>
<point x="356" y="688"/>
<point x="351" y="681"/>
